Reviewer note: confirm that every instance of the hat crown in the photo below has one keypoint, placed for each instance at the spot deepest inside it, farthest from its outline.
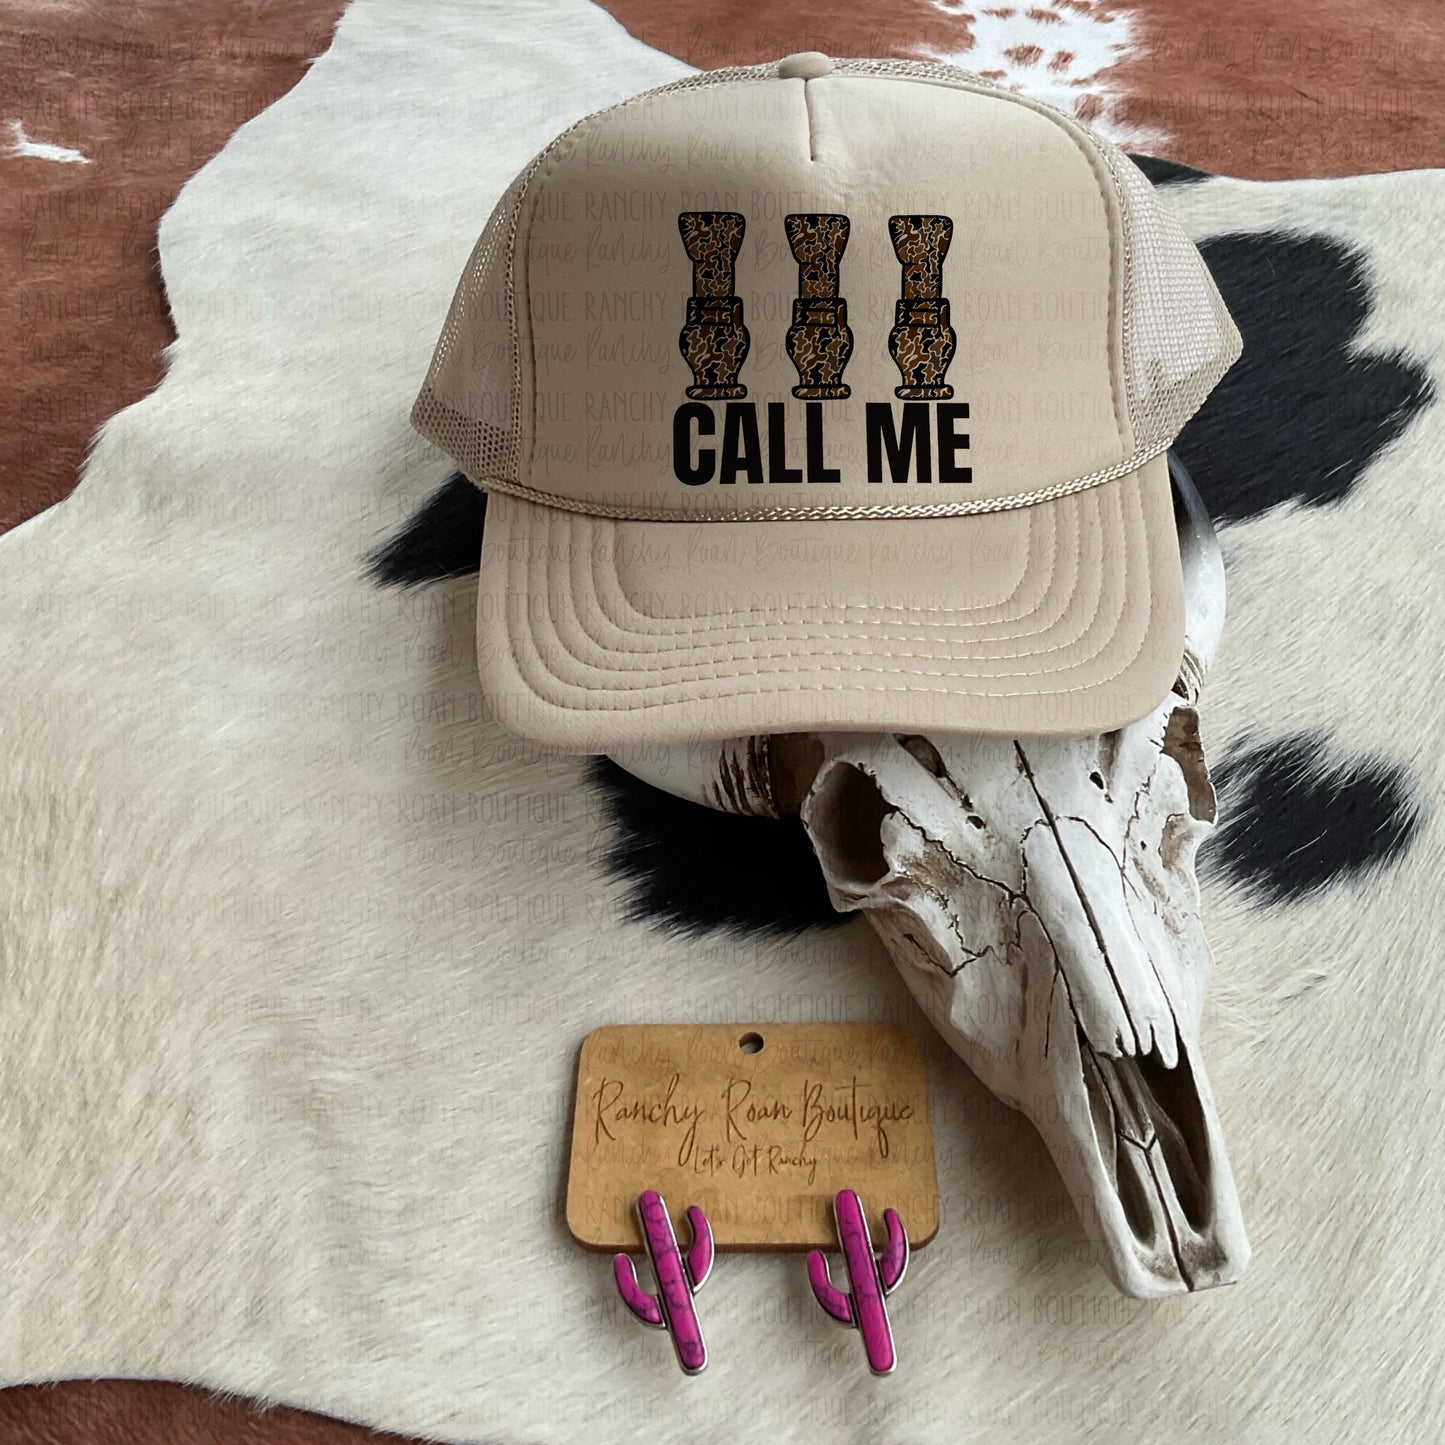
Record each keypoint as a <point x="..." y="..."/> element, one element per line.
<point x="888" y="288"/>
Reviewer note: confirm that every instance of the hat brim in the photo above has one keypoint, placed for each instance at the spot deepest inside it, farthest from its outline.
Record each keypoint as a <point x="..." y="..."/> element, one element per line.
<point x="1064" y="617"/>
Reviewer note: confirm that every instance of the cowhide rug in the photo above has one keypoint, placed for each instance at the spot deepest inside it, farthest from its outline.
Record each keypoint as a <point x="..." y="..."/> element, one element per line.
<point x="297" y="946"/>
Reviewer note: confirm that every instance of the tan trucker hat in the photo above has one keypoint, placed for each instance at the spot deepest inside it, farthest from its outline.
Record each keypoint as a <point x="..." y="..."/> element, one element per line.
<point x="826" y="395"/>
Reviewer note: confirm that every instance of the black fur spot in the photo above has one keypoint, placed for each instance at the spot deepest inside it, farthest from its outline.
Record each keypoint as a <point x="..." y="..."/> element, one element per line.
<point x="1169" y="173"/>
<point x="442" y="539"/>
<point x="1296" y="819"/>
<point x="1297" y="416"/>
<point x="694" y="870"/>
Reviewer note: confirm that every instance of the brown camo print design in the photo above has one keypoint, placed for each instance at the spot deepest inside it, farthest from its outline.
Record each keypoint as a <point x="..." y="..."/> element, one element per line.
<point x="921" y="243"/>
<point x="922" y="342"/>
<point x="712" y="240"/>
<point x="714" y="342"/>
<point x="819" y="341"/>
<point x="817" y="243"/>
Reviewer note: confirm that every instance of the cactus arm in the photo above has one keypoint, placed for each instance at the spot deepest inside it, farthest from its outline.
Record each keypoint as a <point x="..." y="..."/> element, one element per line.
<point x="642" y="1304"/>
<point x="700" y="1256"/>
<point x="834" y="1301"/>
<point x="893" y="1263"/>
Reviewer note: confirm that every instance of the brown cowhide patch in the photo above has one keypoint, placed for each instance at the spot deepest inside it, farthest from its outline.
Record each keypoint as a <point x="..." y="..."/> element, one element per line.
<point x="123" y="104"/>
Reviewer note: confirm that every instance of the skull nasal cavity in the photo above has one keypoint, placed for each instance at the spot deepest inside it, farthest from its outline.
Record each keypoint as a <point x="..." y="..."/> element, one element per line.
<point x="1179" y="1125"/>
<point x="847" y="821"/>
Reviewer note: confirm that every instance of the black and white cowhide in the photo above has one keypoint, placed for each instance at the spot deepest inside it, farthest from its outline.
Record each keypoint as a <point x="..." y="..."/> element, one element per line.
<point x="297" y="945"/>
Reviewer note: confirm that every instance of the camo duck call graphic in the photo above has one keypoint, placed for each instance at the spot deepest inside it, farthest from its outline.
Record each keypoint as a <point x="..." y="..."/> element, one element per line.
<point x="713" y="339"/>
<point x="819" y="342"/>
<point x="922" y="342"/>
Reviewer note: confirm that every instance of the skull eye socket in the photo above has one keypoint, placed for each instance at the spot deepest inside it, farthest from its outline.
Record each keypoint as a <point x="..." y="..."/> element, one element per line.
<point x="793" y="760"/>
<point x="848" y="810"/>
<point x="923" y="751"/>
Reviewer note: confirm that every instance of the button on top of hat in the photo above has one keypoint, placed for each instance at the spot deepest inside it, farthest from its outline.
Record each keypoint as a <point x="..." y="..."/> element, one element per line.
<point x="808" y="65"/>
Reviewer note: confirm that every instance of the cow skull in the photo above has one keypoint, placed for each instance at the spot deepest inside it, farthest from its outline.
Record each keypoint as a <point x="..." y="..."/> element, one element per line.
<point x="1038" y="895"/>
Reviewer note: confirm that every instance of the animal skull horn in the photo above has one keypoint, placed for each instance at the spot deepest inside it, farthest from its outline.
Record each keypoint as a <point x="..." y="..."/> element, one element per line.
<point x="1038" y="896"/>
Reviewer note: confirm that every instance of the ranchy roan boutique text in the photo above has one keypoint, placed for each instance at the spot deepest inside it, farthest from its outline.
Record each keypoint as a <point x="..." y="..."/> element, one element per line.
<point x="738" y="1110"/>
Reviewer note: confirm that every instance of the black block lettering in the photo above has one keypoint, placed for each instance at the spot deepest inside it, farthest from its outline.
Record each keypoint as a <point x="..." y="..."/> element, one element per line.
<point x="951" y="441"/>
<point x="813" y="433"/>
<point x="742" y="450"/>
<point x="683" y="467"/>
<point x="778" y="468"/>
<point x="901" y="451"/>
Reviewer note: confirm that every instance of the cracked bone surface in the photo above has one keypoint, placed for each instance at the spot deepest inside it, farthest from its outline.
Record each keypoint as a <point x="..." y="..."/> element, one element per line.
<point x="1038" y="896"/>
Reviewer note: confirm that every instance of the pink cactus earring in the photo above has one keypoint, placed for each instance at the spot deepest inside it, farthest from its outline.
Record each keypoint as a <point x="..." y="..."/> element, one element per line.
<point x="678" y="1279"/>
<point x="870" y="1278"/>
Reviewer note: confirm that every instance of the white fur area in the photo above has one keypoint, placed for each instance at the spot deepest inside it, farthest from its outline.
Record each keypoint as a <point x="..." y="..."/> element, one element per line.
<point x="1059" y="52"/>
<point x="22" y="145"/>
<point x="297" y="948"/>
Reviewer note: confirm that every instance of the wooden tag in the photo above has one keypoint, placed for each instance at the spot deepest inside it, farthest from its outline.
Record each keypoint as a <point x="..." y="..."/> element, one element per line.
<point x="759" y="1124"/>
